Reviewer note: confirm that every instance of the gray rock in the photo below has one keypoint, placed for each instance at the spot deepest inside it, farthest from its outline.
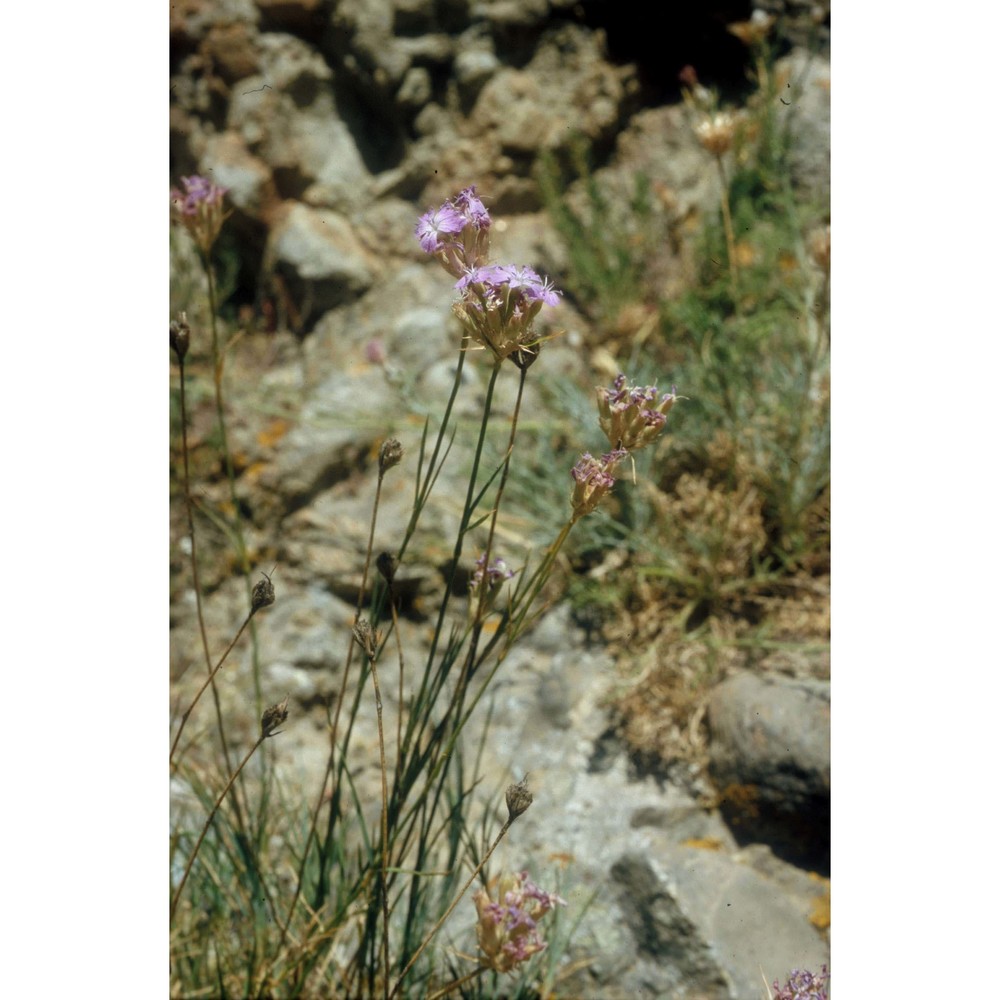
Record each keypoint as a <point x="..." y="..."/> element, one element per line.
<point x="318" y="254"/>
<point x="473" y="67"/>
<point x="705" y="926"/>
<point x="415" y="90"/>
<point x="770" y="760"/>
<point x="247" y="177"/>
<point x="808" y="94"/>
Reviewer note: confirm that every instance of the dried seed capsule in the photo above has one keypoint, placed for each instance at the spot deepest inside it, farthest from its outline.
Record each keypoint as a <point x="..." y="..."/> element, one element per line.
<point x="518" y="799"/>
<point x="273" y="718"/>
<point x="262" y="595"/>
<point x="387" y="565"/>
<point x="390" y="454"/>
<point x="366" y="637"/>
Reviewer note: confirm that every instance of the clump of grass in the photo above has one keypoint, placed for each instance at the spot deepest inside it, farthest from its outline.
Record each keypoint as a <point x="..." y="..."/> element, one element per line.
<point x="278" y="898"/>
<point x="607" y="243"/>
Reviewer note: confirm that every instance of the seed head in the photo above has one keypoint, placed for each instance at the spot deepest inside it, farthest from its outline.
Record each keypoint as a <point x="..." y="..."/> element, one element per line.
<point x="518" y="799"/>
<point x="273" y="718"/>
<point x="525" y="356"/>
<point x="366" y="637"/>
<point x="262" y="594"/>
<point x="390" y="454"/>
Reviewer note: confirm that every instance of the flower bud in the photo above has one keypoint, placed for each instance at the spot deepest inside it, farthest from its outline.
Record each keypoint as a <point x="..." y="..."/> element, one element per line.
<point x="180" y="335"/>
<point x="387" y="564"/>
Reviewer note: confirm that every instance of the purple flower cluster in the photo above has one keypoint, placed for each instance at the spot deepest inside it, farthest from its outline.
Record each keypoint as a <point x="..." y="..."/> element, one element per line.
<point x="803" y="985"/>
<point x="497" y="306"/>
<point x="198" y="191"/>
<point x="508" y="928"/>
<point x="498" y="303"/>
<point x="199" y="209"/>
<point x="484" y="586"/>
<point x="632" y="416"/>
<point x="594" y="479"/>
<point x="457" y="233"/>
<point x="497" y="572"/>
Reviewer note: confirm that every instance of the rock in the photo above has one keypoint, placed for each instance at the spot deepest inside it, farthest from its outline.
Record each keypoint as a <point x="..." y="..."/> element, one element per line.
<point x="304" y="17"/>
<point x="318" y="255"/>
<point x="248" y="178"/>
<point x="770" y="760"/>
<point x="807" y="91"/>
<point x="191" y="20"/>
<point x="703" y="926"/>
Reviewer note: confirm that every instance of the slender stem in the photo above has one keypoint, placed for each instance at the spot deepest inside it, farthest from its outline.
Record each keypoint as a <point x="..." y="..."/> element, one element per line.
<point x="727" y="222"/>
<point x="208" y="823"/>
<point x="189" y="507"/>
<point x="399" y="651"/>
<point x="459" y="982"/>
<point x="385" y="826"/>
<point x="514" y="629"/>
<point x="454" y="903"/>
<point x="466" y="509"/>
<point x="218" y="364"/>
<point x="484" y="583"/>
<point x="460" y="537"/>
<point x="210" y="680"/>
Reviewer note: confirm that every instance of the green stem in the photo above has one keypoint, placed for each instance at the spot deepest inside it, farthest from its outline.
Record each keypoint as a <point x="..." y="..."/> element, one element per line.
<point x="727" y="222"/>
<point x="189" y="508"/>
<point x="454" y="903"/>
<point x="218" y="365"/>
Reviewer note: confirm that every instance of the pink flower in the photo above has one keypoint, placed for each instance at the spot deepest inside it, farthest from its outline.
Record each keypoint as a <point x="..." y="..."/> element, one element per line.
<point x="199" y="209"/>
<point x="508" y="927"/>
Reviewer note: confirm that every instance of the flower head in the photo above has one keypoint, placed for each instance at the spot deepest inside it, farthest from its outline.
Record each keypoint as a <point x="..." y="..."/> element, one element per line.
<point x="754" y="31"/>
<point x="717" y="131"/>
<point x="594" y="478"/>
<point x="499" y="304"/>
<point x="457" y="233"/>
<point x="497" y="572"/>
<point x="484" y="585"/>
<point x="199" y="209"/>
<point x="508" y="928"/>
<point x="632" y="416"/>
<point x="803" y="985"/>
